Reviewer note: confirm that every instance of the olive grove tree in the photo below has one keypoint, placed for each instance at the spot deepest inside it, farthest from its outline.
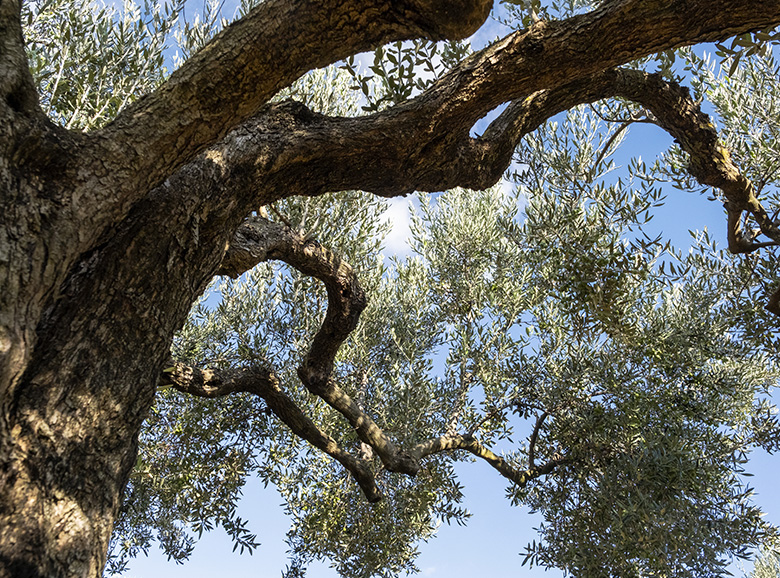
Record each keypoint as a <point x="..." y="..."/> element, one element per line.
<point x="633" y="373"/>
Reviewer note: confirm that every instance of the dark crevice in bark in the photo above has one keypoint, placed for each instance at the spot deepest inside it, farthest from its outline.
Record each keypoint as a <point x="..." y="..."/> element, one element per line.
<point x="15" y="102"/>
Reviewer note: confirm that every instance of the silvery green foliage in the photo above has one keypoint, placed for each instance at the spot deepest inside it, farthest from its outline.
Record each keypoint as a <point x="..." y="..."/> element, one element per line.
<point x="402" y="70"/>
<point x="90" y="60"/>
<point x="194" y="33"/>
<point x="640" y="376"/>
<point x="767" y="565"/>
<point x="524" y="13"/>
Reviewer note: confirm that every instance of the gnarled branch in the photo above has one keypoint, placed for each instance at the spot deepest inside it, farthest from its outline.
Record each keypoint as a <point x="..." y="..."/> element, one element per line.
<point x="228" y="81"/>
<point x="469" y="443"/>
<point x="264" y="383"/>
<point x="320" y="153"/>
<point x="259" y="239"/>
<point x="239" y="70"/>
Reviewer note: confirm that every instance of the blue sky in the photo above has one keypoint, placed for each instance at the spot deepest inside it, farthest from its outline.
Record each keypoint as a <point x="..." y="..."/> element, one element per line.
<point x="490" y="545"/>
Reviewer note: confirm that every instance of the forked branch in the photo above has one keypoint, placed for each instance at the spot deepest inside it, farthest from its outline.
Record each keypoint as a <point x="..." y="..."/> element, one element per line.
<point x="260" y="239"/>
<point x="470" y="444"/>
<point x="264" y="383"/>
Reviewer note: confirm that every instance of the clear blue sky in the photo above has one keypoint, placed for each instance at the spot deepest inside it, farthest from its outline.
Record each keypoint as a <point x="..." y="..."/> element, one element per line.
<point x="490" y="545"/>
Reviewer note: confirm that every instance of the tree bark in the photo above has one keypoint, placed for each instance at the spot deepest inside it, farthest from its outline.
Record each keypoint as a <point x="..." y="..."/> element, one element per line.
<point x="108" y="237"/>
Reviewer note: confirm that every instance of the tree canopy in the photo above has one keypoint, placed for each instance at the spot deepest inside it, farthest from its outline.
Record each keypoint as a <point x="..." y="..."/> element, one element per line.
<point x="616" y="379"/>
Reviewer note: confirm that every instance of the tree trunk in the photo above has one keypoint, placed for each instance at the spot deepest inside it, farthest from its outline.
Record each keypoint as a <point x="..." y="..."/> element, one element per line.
<point x="70" y="429"/>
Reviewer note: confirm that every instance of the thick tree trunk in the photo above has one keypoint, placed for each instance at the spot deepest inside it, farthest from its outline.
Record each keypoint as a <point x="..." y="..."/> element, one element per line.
<point x="71" y="424"/>
<point x="70" y="429"/>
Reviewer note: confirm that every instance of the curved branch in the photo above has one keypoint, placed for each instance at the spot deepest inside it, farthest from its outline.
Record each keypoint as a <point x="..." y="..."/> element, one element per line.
<point x="259" y="239"/>
<point x="328" y="154"/>
<point x="421" y="161"/>
<point x="226" y="82"/>
<point x="710" y="163"/>
<point x="470" y="444"/>
<point x="676" y="112"/>
<point x="264" y="383"/>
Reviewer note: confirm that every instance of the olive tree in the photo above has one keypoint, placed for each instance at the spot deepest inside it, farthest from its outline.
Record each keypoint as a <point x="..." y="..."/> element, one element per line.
<point x="111" y="230"/>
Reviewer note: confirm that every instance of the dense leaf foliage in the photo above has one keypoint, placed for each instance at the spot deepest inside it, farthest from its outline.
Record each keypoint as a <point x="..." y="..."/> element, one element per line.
<point x="767" y="565"/>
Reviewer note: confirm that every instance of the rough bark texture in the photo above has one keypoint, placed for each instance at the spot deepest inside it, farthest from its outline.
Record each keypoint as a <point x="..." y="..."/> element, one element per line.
<point x="108" y="237"/>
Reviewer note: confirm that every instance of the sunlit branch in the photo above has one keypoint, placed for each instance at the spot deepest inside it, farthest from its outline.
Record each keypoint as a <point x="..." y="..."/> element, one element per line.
<point x="709" y="161"/>
<point x="675" y="111"/>
<point x="264" y="383"/>
<point x="470" y="444"/>
<point x="258" y="240"/>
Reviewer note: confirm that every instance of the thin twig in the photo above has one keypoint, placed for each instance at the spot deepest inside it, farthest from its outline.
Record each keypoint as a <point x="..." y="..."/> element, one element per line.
<point x="534" y="437"/>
